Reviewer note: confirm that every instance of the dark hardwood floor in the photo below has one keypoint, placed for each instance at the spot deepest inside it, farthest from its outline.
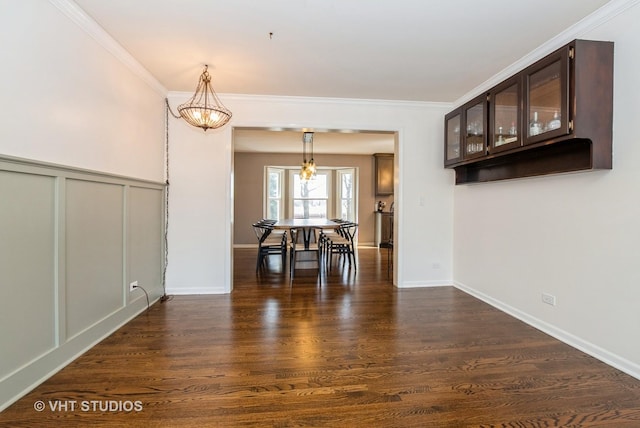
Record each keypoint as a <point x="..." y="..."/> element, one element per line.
<point x="349" y="350"/>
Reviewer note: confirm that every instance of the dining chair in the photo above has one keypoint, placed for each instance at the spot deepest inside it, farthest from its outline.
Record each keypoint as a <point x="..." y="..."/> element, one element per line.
<point x="390" y="258"/>
<point x="324" y="238"/>
<point x="280" y="233"/>
<point x="301" y="255"/>
<point x="390" y="251"/>
<point x="269" y="242"/>
<point x="342" y="244"/>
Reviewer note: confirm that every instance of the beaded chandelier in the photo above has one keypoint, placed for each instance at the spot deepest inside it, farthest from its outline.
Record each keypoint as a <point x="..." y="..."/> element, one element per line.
<point x="204" y="109"/>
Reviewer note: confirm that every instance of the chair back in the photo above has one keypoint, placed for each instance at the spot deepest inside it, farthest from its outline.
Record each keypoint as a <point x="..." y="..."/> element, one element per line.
<point x="262" y="231"/>
<point x="348" y="230"/>
<point x="297" y="237"/>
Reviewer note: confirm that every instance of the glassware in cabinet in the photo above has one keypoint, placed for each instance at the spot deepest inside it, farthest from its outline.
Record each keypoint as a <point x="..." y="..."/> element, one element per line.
<point x="453" y="141"/>
<point x="505" y="102"/>
<point x="547" y="98"/>
<point x="474" y="119"/>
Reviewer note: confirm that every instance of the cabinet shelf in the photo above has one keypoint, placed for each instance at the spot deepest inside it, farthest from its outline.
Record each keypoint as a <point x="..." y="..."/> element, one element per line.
<point x="570" y="155"/>
<point x="554" y="116"/>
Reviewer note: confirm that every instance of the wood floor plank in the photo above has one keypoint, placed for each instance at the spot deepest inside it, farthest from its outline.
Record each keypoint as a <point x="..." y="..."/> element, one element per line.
<point x="343" y="350"/>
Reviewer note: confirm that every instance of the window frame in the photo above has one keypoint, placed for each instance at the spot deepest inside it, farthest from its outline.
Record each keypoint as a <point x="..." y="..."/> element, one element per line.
<point x="293" y="173"/>
<point x="339" y="172"/>
<point x="281" y="190"/>
<point x="334" y="197"/>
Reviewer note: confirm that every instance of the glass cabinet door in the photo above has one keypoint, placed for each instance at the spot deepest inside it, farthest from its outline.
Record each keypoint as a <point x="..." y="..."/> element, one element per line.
<point x="452" y="137"/>
<point x="475" y="136"/>
<point x="505" y="116"/>
<point x="547" y="99"/>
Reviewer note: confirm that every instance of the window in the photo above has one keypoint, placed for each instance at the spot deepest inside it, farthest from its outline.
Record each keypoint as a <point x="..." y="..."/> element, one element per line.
<point x="274" y="193"/>
<point x="310" y="198"/>
<point x="287" y="196"/>
<point x="346" y="191"/>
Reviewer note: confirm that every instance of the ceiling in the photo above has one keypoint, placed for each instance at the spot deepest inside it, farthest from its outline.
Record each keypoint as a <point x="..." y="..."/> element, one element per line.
<point x="324" y="141"/>
<point x="411" y="50"/>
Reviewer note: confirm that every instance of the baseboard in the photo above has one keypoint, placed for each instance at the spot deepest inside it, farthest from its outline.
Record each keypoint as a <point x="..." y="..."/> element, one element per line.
<point x="589" y="348"/>
<point x="25" y="379"/>
<point x="360" y="244"/>
<point x="422" y="284"/>
<point x="245" y="246"/>
<point x="180" y="291"/>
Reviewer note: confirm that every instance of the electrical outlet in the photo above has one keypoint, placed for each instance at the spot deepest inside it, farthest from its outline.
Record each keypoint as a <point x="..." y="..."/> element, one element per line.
<point x="549" y="299"/>
<point x="133" y="285"/>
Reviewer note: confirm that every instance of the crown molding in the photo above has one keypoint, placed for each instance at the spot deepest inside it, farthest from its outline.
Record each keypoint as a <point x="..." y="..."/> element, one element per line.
<point x="179" y="95"/>
<point x="579" y="29"/>
<point x="93" y="29"/>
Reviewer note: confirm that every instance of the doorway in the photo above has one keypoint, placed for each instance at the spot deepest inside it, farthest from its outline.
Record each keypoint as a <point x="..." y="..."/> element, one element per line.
<point x="256" y="148"/>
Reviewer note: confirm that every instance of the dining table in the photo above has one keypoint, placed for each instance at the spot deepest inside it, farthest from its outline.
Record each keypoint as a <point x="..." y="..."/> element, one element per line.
<point x="307" y="258"/>
<point x="307" y="225"/>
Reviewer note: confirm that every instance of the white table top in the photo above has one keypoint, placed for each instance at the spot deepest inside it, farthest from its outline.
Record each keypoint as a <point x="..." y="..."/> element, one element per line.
<point x="288" y="223"/>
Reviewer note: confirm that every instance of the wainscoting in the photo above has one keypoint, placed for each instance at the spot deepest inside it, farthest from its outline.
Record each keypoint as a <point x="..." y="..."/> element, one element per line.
<point x="71" y="241"/>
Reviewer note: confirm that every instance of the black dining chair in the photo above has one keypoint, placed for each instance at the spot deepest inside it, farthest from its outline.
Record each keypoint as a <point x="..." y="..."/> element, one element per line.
<point x="269" y="242"/>
<point x="324" y="239"/>
<point x="299" y="254"/>
<point x="390" y="251"/>
<point x="342" y="244"/>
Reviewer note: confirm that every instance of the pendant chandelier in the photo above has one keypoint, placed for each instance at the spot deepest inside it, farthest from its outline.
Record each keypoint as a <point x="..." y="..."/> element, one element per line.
<point x="308" y="169"/>
<point x="204" y="109"/>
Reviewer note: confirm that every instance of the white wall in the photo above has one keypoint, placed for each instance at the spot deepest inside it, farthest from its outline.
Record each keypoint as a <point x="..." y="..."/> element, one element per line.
<point x="67" y="100"/>
<point x="201" y="201"/>
<point x="574" y="236"/>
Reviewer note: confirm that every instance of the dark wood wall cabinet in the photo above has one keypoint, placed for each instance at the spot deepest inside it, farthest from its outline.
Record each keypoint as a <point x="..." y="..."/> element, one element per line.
<point x="384" y="174"/>
<point x="554" y="116"/>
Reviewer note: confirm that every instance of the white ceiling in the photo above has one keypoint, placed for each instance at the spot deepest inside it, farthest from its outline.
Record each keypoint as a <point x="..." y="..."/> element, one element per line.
<point x="324" y="141"/>
<point x="413" y="50"/>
